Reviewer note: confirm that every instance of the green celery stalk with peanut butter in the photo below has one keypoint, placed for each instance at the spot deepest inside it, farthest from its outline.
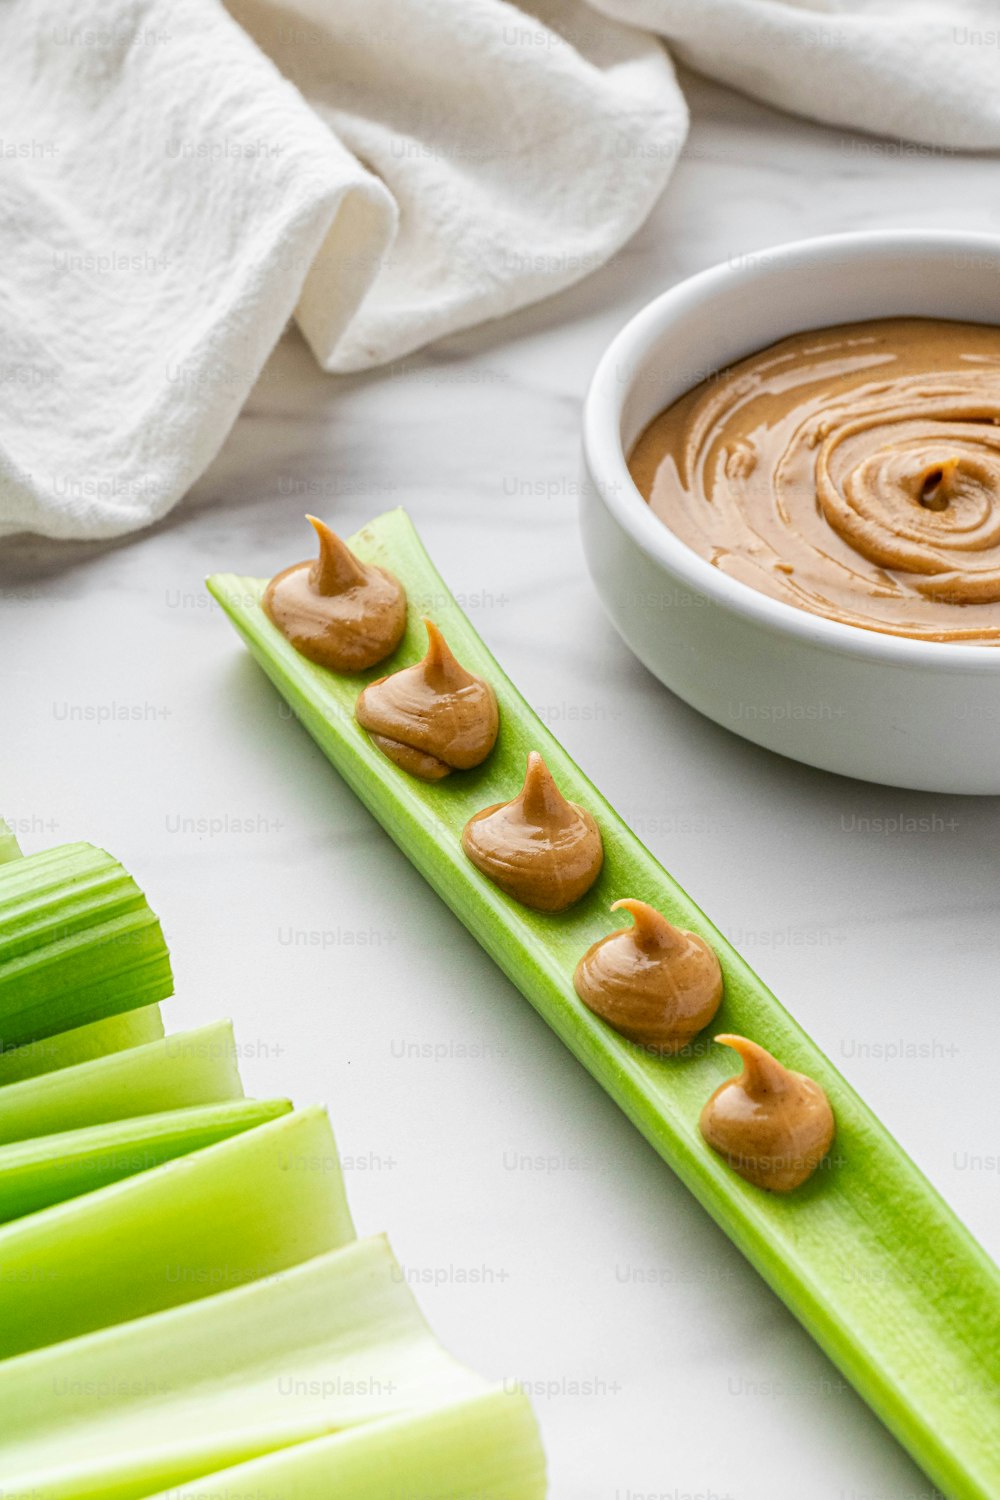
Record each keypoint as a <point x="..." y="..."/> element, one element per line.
<point x="858" y="1245"/>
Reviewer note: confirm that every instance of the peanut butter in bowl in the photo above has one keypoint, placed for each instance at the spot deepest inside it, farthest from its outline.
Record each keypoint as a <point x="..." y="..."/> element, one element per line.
<point x="852" y="472"/>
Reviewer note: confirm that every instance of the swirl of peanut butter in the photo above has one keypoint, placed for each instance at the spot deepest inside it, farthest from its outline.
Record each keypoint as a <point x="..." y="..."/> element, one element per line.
<point x="773" y="1127"/>
<point x="654" y="983"/>
<point x="432" y="718"/>
<point x="540" y="849"/>
<point x="336" y="610"/>
<point x="853" y="472"/>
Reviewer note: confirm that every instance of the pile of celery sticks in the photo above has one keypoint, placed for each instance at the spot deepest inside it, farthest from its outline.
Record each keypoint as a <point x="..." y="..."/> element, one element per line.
<point x="184" y="1307"/>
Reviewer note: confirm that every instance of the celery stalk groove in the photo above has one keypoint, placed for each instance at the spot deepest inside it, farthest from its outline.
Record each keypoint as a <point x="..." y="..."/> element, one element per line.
<point x="84" y="1043"/>
<point x="867" y="1255"/>
<point x="234" y="1212"/>
<point x="49" y="1169"/>
<point x="77" y="942"/>
<point x="483" y="1448"/>
<point x="191" y="1067"/>
<point x="331" y="1344"/>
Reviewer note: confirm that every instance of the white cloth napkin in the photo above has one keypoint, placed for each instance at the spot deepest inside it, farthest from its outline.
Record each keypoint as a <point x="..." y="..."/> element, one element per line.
<point x="177" y="180"/>
<point x="916" y="70"/>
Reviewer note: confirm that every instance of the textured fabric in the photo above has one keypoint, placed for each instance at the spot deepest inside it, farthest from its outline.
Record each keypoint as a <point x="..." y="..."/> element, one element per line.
<point x="168" y="199"/>
<point x="916" y="70"/>
<point x="177" y="180"/>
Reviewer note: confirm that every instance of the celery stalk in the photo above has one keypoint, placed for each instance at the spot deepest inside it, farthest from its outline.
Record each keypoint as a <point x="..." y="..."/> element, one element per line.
<point x="483" y="1448"/>
<point x="246" y="1208"/>
<point x="867" y="1255"/>
<point x="9" y="847"/>
<point x="83" y="1043"/>
<point x="52" y="1168"/>
<point x="77" y="942"/>
<point x="331" y="1344"/>
<point x="192" y="1067"/>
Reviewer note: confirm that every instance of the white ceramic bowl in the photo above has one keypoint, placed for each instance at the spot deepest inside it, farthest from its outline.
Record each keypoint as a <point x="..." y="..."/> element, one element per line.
<point x="880" y="707"/>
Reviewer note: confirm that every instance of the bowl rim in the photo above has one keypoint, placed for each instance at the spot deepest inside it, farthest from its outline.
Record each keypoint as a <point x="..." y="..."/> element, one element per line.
<point x="608" y="468"/>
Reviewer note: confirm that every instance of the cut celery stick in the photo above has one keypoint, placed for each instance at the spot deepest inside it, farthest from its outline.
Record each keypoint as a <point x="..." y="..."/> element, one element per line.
<point x="333" y="1343"/>
<point x="234" y="1212"/>
<point x="52" y="1168"/>
<point x="483" y="1448"/>
<point x="114" y="1034"/>
<point x="77" y="942"/>
<point x="193" y="1067"/>
<point x="9" y="847"/>
<point x="867" y="1255"/>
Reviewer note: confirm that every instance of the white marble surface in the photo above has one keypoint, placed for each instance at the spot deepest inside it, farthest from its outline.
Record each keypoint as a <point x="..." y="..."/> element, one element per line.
<point x="592" y="1275"/>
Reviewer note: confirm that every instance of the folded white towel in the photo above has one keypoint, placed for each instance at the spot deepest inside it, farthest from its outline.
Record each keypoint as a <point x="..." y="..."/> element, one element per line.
<point x="176" y="181"/>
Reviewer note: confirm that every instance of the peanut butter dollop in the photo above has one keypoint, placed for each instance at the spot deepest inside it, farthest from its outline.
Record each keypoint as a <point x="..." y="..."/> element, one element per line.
<point x="540" y="849"/>
<point x="853" y="472"/>
<point x="772" y="1126"/>
<point x="432" y="718"/>
<point x="654" y="983"/>
<point x="337" y="611"/>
